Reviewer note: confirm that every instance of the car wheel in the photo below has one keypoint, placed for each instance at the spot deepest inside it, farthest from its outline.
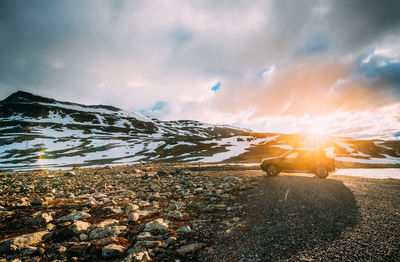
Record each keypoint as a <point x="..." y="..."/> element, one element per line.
<point x="321" y="172"/>
<point x="272" y="170"/>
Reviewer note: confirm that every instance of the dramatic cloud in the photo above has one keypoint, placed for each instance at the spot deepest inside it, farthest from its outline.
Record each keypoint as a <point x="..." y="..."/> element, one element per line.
<point x="267" y="65"/>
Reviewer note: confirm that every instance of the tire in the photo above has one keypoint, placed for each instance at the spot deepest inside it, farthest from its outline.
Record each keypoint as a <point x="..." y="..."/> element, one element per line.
<point x="321" y="172"/>
<point x="272" y="170"/>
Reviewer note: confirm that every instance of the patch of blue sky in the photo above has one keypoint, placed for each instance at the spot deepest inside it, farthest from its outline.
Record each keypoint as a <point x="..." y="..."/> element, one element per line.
<point x="380" y="67"/>
<point x="216" y="87"/>
<point x="143" y="111"/>
<point x="316" y="42"/>
<point x="156" y="109"/>
<point x="158" y="106"/>
<point x="266" y="71"/>
<point x="263" y="71"/>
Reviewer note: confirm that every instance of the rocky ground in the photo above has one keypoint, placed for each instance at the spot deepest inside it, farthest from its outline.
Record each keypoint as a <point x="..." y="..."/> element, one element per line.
<point x="167" y="213"/>
<point x="119" y="213"/>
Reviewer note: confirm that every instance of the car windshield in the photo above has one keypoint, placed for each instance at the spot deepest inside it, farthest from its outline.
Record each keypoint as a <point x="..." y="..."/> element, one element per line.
<point x="283" y="156"/>
<point x="290" y="154"/>
<point x="305" y="154"/>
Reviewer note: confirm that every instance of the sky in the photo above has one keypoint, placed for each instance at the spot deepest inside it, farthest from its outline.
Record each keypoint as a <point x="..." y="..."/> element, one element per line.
<point x="271" y="66"/>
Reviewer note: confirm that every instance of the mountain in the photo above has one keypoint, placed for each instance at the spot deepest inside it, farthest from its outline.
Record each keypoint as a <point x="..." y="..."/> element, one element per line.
<point x="38" y="132"/>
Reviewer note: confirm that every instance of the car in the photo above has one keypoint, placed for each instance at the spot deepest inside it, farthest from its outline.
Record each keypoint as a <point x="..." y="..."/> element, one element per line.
<point x="300" y="160"/>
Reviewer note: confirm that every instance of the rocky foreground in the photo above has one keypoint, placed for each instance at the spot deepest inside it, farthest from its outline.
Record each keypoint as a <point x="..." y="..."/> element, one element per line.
<point x="167" y="213"/>
<point x="114" y="214"/>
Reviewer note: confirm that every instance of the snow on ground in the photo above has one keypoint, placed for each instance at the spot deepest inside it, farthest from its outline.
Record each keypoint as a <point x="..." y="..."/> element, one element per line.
<point x="233" y="146"/>
<point x="380" y="144"/>
<point x="138" y="116"/>
<point x="350" y="150"/>
<point x="117" y="151"/>
<point x="151" y="146"/>
<point x="79" y="108"/>
<point x="345" y="146"/>
<point x="50" y="144"/>
<point x="371" y="172"/>
<point x="372" y="160"/>
<point x="359" y="154"/>
<point x="56" y="118"/>
<point x="169" y="146"/>
<point x="7" y="127"/>
<point x="269" y="139"/>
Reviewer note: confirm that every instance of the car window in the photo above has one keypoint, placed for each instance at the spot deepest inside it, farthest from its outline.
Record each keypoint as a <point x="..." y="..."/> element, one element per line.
<point x="292" y="155"/>
<point x="320" y="154"/>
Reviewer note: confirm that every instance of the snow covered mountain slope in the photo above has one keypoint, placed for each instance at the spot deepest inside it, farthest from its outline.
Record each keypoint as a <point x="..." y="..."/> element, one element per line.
<point x="38" y="132"/>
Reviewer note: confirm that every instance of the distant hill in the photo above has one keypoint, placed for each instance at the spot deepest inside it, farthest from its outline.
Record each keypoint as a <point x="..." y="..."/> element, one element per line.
<point x="38" y="132"/>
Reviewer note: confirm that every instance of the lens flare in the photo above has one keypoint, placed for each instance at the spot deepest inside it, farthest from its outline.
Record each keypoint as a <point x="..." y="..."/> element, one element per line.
<point x="41" y="159"/>
<point x="317" y="134"/>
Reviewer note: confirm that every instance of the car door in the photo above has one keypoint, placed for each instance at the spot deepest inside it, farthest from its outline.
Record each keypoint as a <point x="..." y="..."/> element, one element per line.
<point x="303" y="161"/>
<point x="289" y="161"/>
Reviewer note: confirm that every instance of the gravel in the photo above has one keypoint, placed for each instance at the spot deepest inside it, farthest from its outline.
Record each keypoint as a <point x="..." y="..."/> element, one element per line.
<point x="164" y="213"/>
<point x="301" y="218"/>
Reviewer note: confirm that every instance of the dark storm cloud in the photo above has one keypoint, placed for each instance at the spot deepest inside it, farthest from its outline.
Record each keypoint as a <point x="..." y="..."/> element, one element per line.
<point x="357" y="23"/>
<point x="134" y="53"/>
<point x="34" y="34"/>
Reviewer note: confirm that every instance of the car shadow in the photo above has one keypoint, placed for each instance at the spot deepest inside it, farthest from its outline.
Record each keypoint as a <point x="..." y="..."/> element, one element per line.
<point x="288" y="214"/>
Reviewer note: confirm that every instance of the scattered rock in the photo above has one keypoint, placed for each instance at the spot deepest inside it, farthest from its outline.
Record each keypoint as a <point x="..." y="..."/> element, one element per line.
<point x="106" y="228"/>
<point x="156" y="225"/>
<point x="171" y="240"/>
<point x="174" y="206"/>
<point x="220" y="207"/>
<point x="131" y="207"/>
<point x="74" y="216"/>
<point x="83" y="237"/>
<point x="142" y="257"/>
<point x="189" y="248"/>
<point x="79" y="249"/>
<point x="162" y="173"/>
<point x="61" y="249"/>
<point x="128" y="193"/>
<point x="185" y="229"/>
<point x="36" y="201"/>
<point x="22" y="202"/>
<point x="79" y="227"/>
<point x="144" y="235"/>
<point x="176" y="215"/>
<point x="16" y="243"/>
<point x="133" y="217"/>
<point x="106" y="223"/>
<point x="28" y="250"/>
<point x="112" y="250"/>
<point x="70" y="174"/>
<point x="150" y="244"/>
<point x="40" y="219"/>
<point x="112" y="210"/>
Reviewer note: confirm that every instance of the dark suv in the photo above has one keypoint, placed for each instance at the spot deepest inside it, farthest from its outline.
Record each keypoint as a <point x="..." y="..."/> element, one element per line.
<point x="310" y="161"/>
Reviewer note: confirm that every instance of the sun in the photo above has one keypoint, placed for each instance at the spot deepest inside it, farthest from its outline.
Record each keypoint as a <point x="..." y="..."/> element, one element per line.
<point x="317" y="134"/>
<point x="317" y="126"/>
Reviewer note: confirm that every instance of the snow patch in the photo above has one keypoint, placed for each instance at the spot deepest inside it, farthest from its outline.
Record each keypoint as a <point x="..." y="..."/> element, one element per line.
<point x="382" y="173"/>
